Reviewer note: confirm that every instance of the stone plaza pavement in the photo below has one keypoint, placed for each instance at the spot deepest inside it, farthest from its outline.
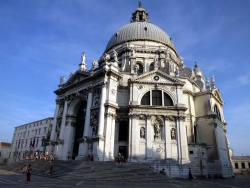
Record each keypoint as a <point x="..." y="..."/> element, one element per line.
<point x="12" y="179"/>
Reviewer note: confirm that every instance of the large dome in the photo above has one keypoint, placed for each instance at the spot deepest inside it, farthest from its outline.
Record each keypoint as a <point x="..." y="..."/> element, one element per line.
<point x="139" y="31"/>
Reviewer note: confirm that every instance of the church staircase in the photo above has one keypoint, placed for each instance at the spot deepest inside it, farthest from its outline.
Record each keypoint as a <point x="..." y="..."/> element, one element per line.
<point x="91" y="171"/>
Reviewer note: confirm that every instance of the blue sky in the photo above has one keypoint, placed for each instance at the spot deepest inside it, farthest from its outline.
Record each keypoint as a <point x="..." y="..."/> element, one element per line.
<point x="42" y="40"/>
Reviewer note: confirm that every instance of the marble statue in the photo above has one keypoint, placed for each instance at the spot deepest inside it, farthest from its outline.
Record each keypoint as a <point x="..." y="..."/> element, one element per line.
<point x="142" y="132"/>
<point x="62" y="78"/>
<point x="157" y="130"/>
<point x="115" y="54"/>
<point x="94" y="64"/>
<point x="172" y="134"/>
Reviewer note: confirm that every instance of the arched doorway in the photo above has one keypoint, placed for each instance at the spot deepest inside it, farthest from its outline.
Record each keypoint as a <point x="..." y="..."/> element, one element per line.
<point x="123" y="138"/>
<point x="80" y="121"/>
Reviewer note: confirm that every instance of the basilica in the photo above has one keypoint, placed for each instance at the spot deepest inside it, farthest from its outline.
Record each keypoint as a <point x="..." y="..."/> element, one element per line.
<point x="140" y="100"/>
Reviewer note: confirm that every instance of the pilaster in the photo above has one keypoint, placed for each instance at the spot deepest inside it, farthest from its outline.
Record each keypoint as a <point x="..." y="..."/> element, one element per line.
<point x="148" y="137"/>
<point x="168" y="153"/>
<point x="52" y="134"/>
<point x="69" y="137"/>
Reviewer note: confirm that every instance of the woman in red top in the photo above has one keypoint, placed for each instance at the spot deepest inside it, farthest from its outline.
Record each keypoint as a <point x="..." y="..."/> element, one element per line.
<point x="29" y="170"/>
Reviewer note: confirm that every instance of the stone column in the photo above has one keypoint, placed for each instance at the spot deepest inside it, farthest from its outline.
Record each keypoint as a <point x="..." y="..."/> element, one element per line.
<point x="83" y="145"/>
<point x="52" y="134"/>
<point x="130" y="138"/>
<point x="101" y="112"/>
<point x="167" y="138"/>
<point x="135" y="134"/>
<point x="112" y="140"/>
<point x="183" y="140"/>
<point x="59" y="152"/>
<point x="61" y="136"/>
<point x="178" y="138"/>
<point x="148" y="138"/>
<point x="69" y="137"/>
<point x="109" y="145"/>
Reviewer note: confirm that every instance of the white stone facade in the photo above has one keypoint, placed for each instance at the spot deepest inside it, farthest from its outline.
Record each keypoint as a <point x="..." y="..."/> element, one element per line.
<point x="139" y="99"/>
<point x="5" y="149"/>
<point x="28" y="138"/>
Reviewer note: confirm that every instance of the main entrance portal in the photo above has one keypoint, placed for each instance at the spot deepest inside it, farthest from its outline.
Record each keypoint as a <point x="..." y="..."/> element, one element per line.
<point x="80" y="121"/>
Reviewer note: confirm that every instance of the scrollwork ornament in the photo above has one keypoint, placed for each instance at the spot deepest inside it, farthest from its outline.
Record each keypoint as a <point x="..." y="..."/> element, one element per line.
<point x="142" y="117"/>
<point x="148" y="116"/>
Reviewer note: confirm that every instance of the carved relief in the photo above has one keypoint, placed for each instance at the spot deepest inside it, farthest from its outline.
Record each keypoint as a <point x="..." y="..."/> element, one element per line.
<point x="113" y="92"/>
<point x="173" y="134"/>
<point x="142" y="132"/>
<point x="96" y="97"/>
<point x="58" y="130"/>
<point x="159" y="150"/>
<point x="140" y="86"/>
<point x="60" y="111"/>
<point x="94" y="123"/>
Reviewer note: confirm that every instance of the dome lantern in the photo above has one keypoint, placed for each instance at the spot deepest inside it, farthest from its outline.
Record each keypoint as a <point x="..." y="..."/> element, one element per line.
<point x="140" y="15"/>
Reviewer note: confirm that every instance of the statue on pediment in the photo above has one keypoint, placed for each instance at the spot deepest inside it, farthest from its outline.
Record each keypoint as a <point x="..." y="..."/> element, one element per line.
<point x="115" y="54"/>
<point x="83" y="64"/>
<point x="62" y="78"/>
<point x="94" y="64"/>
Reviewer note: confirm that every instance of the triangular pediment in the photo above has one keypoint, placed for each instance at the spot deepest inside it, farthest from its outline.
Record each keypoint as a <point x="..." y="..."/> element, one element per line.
<point x="217" y="96"/>
<point x="157" y="76"/>
<point x="76" y="77"/>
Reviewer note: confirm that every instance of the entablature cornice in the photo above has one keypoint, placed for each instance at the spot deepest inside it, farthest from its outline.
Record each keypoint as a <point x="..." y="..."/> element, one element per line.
<point x="188" y="92"/>
<point x="149" y="116"/>
<point x="169" y="108"/>
<point x="154" y="82"/>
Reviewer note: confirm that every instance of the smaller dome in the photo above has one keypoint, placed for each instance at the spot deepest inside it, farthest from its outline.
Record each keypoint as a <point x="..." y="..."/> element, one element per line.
<point x="197" y="70"/>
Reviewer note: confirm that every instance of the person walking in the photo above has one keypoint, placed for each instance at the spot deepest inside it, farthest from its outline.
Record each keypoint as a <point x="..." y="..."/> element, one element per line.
<point x="190" y="176"/>
<point x="29" y="170"/>
<point x="68" y="155"/>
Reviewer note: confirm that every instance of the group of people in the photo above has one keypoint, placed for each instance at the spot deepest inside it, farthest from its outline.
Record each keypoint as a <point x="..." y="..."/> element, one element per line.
<point x="121" y="158"/>
<point x="39" y="155"/>
<point x="74" y="155"/>
<point x="90" y="158"/>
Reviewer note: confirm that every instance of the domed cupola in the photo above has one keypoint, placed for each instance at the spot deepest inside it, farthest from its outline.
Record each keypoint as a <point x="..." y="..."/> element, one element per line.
<point x="197" y="70"/>
<point x="139" y="29"/>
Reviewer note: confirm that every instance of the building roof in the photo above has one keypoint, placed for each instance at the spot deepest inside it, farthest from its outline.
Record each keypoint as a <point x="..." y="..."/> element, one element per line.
<point x="6" y="144"/>
<point x="139" y="29"/>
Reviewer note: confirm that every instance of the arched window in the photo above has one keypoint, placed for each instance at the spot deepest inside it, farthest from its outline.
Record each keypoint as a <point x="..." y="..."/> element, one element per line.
<point x="167" y="100"/>
<point x="123" y="131"/>
<point x="156" y="98"/>
<point x="140" y="68"/>
<point x="146" y="99"/>
<point x="151" y="67"/>
<point x="216" y="110"/>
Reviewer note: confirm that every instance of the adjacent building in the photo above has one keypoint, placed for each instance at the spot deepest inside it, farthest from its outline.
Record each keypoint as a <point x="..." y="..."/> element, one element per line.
<point x="241" y="164"/>
<point x="5" y="149"/>
<point x="30" y="137"/>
